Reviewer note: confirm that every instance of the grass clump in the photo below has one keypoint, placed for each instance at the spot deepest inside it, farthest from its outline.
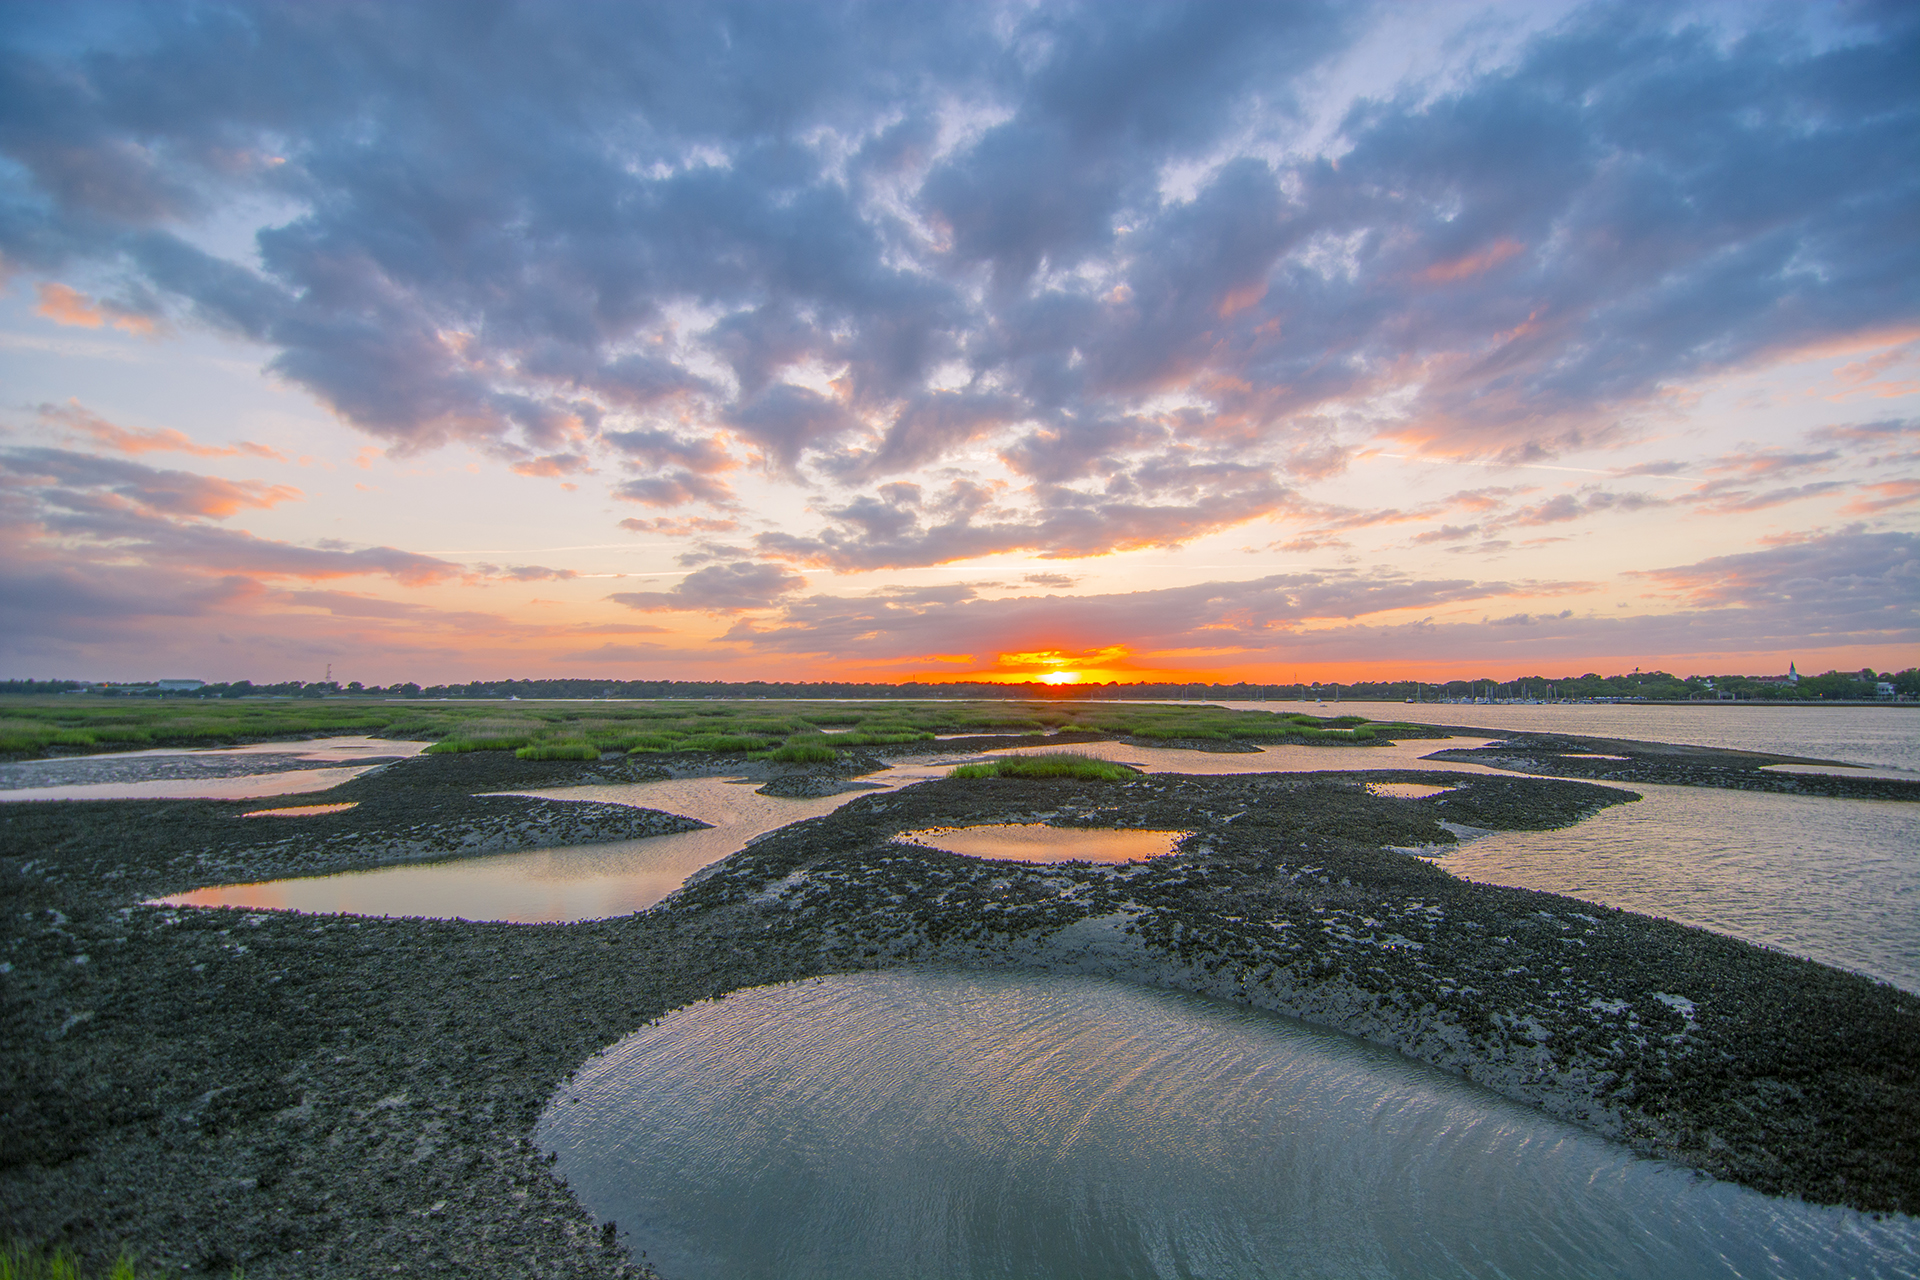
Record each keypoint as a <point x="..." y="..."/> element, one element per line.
<point x="20" y="1263"/>
<point x="802" y="753"/>
<point x="559" y="751"/>
<point x="454" y="746"/>
<point x="1050" y="764"/>
<point x="720" y="742"/>
<point x="652" y="742"/>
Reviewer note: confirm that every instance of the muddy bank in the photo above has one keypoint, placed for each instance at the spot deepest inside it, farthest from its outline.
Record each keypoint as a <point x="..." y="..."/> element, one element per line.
<point x="1559" y="755"/>
<point x="329" y="1096"/>
<point x="413" y="810"/>
<point x="83" y="772"/>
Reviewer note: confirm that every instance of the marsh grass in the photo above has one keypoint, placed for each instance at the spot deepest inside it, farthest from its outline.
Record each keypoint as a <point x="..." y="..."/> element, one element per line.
<point x="33" y="726"/>
<point x="559" y="751"/>
<point x="722" y="742"/>
<point x="20" y="1263"/>
<point x="802" y="753"/>
<point x="449" y="746"/>
<point x="1050" y="764"/>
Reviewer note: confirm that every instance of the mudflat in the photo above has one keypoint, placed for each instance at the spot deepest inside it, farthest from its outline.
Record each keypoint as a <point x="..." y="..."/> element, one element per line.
<point x="326" y="1095"/>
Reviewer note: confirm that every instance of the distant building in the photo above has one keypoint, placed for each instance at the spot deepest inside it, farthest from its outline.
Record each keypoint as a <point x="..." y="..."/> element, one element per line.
<point x="1883" y="689"/>
<point x="1793" y="677"/>
<point x="179" y="686"/>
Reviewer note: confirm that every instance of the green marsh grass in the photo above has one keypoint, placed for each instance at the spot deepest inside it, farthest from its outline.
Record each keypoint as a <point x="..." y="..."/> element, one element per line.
<point x="51" y="725"/>
<point x="803" y="753"/>
<point x="559" y="751"/>
<point x="1050" y="764"/>
<point x="721" y="742"/>
<point x="20" y="1263"/>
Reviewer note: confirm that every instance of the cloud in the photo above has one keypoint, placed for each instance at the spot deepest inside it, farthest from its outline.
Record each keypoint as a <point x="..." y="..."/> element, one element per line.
<point x="175" y="493"/>
<point x="897" y="530"/>
<point x="1575" y="506"/>
<point x="621" y="233"/>
<point x="1846" y="589"/>
<point x="553" y="466"/>
<point x="680" y="526"/>
<point x="785" y="419"/>
<point x="719" y="588"/>
<point x="1889" y="494"/>
<point x="63" y="305"/>
<point x="664" y="449"/>
<point x="87" y="512"/>
<point x="1257" y="617"/>
<point x="1846" y="581"/>
<point x="78" y="419"/>
<point x="525" y="573"/>
<point x="674" y="489"/>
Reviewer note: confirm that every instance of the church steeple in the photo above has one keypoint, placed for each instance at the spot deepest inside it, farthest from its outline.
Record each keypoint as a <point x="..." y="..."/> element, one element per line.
<point x="1793" y="677"/>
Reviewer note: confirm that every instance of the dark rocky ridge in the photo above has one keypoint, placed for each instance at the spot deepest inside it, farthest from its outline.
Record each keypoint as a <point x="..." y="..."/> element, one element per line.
<point x="322" y="1096"/>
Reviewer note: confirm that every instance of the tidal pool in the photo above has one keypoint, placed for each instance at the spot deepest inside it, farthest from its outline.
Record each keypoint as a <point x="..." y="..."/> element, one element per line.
<point x="303" y="810"/>
<point x="542" y="886"/>
<point x="224" y="773"/>
<point x="1014" y="1125"/>
<point x="1038" y="842"/>
<point x="1406" y="790"/>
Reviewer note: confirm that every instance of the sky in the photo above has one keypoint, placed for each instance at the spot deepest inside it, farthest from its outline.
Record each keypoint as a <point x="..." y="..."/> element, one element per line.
<point x="790" y="341"/>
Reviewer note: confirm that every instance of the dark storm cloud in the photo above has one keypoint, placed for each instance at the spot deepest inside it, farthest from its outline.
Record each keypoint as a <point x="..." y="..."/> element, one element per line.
<point x="549" y="230"/>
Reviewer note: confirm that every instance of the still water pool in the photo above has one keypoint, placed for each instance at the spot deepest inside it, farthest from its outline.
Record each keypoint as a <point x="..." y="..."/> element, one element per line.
<point x="997" y="1125"/>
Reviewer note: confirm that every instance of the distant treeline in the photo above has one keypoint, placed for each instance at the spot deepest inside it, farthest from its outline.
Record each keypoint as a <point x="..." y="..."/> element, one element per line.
<point x="1652" y="686"/>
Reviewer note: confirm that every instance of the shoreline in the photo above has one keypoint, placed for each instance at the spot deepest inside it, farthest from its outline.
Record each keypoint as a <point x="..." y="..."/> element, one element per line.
<point x="331" y="1095"/>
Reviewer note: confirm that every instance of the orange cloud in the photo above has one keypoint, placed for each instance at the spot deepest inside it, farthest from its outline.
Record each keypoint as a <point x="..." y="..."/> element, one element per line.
<point x="1472" y="264"/>
<point x="551" y="467"/>
<point x="1862" y="377"/>
<point x="221" y="498"/>
<point x="1893" y="493"/>
<point x="1240" y="299"/>
<point x="134" y="441"/>
<point x="63" y="305"/>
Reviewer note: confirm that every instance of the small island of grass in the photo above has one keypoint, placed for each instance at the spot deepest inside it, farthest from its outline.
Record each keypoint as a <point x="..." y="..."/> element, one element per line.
<point x="1050" y="764"/>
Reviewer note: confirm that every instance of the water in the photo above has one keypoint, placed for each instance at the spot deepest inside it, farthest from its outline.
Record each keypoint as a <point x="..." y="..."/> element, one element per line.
<point x="583" y="882"/>
<point x="944" y="1125"/>
<point x="1887" y="737"/>
<point x="1038" y="842"/>
<point x="226" y="773"/>
<point x="1834" y="880"/>
<point x="1837" y="881"/>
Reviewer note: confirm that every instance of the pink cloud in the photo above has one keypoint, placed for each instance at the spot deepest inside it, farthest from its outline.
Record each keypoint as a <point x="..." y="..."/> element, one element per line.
<point x="78" y="419"/>
<point x="1472" y="264"/>
<point x="66" y="306"/>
